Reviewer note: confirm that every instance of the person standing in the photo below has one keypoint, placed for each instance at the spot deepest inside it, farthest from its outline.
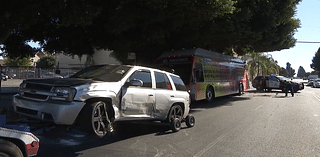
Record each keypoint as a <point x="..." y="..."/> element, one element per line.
<point x="288" y="86"/>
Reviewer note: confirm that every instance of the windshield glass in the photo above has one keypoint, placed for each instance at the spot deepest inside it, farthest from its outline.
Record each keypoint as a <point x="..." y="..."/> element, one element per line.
<point x="108" y="73"/>
<point x="283" y="78"/>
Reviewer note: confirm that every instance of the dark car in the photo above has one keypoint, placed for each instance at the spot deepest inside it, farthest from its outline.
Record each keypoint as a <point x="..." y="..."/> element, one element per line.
<point x="259" y="82"/>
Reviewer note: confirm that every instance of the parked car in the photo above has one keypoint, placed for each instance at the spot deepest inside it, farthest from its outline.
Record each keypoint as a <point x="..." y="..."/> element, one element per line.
<point x="316" y="83"/>
<point x="310" y="82"/>
<point x="4" y="77"/>
<point x="51" y="75"/>
<point x="96" y="96"/>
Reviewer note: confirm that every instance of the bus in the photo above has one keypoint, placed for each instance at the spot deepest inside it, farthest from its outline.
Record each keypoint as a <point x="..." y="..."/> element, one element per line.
<point x="206" y="74"/>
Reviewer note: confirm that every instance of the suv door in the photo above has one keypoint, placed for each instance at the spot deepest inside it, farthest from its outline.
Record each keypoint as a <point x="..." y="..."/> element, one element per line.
<point x="274" y="83"/>
<point x="164" y="94"/>
<point x="138" y="100"/>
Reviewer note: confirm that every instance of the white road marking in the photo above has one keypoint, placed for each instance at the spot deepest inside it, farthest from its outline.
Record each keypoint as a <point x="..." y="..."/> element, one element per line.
<point x="258" y="107"/>
<point x="315" y="95"/>
<point x="200" y="153"/>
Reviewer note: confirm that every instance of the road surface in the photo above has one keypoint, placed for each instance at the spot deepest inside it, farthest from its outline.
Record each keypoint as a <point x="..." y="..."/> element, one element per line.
<point x="253" y="124"/>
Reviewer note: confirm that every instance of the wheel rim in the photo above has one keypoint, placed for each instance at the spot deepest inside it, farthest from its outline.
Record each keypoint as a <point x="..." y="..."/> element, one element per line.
<point x="178" y="124"/>
<point x="175" y="112"/>
<point x="192" y="120"/>
<point x="99" y="119"/>
<point x="209" y="94"/>
<point x="240" y="89"/>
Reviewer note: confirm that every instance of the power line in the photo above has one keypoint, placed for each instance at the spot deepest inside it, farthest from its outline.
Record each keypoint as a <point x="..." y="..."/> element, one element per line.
<point x="309" y="42"/>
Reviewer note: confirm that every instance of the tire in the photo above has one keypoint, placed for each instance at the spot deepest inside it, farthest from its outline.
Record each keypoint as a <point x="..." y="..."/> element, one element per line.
<point x="176" y="125"/>
<point x="175" y="112"/>
<point x="240" y="89"/>
<point x="190" y="121"/>
<point x="94" y="119"/>
<point x="209" y="94"/>
<point x="9" y="149"/>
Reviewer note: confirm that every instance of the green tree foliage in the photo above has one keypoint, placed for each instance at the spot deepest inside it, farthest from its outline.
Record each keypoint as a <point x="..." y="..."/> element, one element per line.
<point x="283" y="72"/>
<point x="290" y="71"/>
<point x="46" y="62"/>
<point x="315" y="65"/>
<point x="261" y="65"/>
<point x="301" y="72"/>
<point x="149" y="27"/>
<point x="18" y="61"/>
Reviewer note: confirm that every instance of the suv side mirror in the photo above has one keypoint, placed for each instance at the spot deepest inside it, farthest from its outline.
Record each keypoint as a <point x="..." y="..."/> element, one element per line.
<point x="137" y="83"/>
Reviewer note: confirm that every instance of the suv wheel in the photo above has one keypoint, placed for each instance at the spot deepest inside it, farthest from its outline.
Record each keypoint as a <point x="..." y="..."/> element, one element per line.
<point x="94" y="119"/>
<point x="175" y="112"/>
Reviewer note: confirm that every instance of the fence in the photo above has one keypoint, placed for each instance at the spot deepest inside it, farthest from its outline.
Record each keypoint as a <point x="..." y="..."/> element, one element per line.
<point x="32" y="72"/>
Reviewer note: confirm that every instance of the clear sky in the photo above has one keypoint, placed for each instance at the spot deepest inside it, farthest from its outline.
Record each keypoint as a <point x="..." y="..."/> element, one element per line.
<point x="302" y="54"/>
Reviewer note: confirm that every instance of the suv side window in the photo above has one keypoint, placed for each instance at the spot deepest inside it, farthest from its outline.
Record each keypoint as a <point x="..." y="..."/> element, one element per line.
<point x="162" y="81"/>
<point x="144" y="76"/>
<point x="178" y="83"/>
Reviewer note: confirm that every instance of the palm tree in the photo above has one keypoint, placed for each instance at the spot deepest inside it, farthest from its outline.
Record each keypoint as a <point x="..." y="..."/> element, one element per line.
<point x="259" y="64"/>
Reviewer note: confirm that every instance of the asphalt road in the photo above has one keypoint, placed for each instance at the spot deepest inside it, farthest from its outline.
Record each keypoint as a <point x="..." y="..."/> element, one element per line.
<point x="254" y="124"/>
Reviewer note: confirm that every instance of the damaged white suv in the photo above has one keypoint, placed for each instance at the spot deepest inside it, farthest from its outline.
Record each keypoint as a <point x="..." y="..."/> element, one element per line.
<point x="98" y="95"/>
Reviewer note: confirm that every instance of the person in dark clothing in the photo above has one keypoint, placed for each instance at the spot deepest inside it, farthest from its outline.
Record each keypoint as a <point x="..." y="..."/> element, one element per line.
<point x="289" y="86"/>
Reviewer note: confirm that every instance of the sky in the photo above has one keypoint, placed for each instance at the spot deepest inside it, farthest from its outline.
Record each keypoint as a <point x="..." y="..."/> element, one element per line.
<point x="303" y="53"/>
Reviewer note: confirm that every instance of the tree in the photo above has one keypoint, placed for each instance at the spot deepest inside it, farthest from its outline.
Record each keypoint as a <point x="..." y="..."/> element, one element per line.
<point x="19" y="61"/>
<point x="290" y="71"/>
<point x="301" y="72"/>
<point x="283" y="72"/>
<point x="149" y="27"/>
<point x="315" y="65"/>
<point x="46" y="62"/>
<point x="261" y="65"/>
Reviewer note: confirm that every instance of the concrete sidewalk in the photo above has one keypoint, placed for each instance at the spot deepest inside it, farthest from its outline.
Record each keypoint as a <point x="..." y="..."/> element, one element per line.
<point x="10" y="86"/>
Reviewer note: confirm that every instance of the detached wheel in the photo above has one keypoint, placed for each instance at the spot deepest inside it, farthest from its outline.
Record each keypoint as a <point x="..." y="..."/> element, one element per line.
<point x="176" y="125"/>
<point x="209" y="94"/>
<point x="190" y="121"/>
<point x="175" y="112"/>
<point x="94" y="119"/>
<point x="9" y="149"/>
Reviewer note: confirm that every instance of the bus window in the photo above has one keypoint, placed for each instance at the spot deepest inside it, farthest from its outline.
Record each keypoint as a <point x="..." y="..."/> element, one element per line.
<point x="198" y="72"/>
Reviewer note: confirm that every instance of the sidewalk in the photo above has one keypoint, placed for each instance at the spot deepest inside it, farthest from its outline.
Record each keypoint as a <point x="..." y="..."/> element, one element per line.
<point x="10" y="86"/>
<point x="7" y="90"/>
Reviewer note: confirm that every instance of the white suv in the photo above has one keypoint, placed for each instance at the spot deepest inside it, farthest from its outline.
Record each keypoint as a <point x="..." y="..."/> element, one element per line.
<point x="98" y="95"/>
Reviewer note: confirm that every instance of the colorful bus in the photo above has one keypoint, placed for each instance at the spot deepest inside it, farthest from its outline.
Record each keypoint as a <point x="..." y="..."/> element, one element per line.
<point x="207" y="74"/>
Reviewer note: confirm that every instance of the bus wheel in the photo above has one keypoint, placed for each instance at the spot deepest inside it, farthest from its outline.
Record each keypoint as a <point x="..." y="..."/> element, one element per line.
<point x="240" y="89"/>
<point x="209" y="94"/>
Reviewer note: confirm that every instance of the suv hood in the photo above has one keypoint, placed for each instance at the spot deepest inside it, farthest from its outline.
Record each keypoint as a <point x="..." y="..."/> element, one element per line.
<point x="61" y="81"/>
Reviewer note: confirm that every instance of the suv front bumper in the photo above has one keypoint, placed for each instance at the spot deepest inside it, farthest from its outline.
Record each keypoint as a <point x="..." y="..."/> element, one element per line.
<point x="60" y="112"/>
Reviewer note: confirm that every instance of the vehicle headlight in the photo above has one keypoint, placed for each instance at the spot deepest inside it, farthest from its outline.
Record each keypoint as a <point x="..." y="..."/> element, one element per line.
<point x="63" y="93"/>
<point x="22" y="86"/>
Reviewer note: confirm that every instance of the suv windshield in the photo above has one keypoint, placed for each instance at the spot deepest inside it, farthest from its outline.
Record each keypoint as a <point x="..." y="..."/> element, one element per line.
<point x="108" y="73"/>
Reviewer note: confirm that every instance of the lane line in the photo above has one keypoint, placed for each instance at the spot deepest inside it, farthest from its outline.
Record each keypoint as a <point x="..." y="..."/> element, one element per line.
<point x="200" y="153"/>
<point x="258" y="107"/>
<point x="316" y="96"/>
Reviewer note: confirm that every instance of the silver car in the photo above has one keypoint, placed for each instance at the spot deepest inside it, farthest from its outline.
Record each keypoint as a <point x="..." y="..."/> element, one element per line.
<point x="98" y="95"/>
<point x="316" y="83"/>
